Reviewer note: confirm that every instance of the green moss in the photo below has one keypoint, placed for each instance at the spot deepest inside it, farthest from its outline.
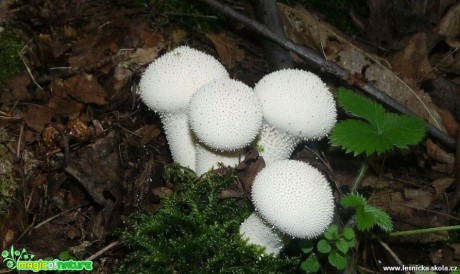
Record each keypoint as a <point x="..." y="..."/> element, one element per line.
<point x="10" y="62"/>
<point x="194" y="231"/>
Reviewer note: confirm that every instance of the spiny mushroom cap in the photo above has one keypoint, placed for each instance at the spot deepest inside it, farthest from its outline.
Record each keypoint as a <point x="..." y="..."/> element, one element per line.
<point x="256" y="232"/>
<point x="225" y="115"/>
<point x="170" y="81"/>
<point x="297" y="102"/>
<point x="294" y="197"/>
<point x="274" y="145"/>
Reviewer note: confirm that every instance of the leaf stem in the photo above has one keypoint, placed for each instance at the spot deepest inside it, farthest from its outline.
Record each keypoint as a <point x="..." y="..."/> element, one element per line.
<point x="362" y="171"/>
<point x="424" y="230"/>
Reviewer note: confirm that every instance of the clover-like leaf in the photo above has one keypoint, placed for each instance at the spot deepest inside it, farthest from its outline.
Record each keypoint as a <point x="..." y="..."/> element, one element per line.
<point x="307" y="247"/>
<point x="310" y="265"/>
<point x="348" y="233"/>
<point x="323" y="246"/>
<point x="331" y="233"/>
<point x="337" y="260"/>
<point x="5" y="253"/>
<point x="342" y="245"/>
<point x="377" y="131"/>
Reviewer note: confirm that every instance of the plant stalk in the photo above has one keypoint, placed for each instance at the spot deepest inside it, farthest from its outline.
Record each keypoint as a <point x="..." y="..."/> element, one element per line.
<point x="424" y="230"/>
<point x="359" y="178"/>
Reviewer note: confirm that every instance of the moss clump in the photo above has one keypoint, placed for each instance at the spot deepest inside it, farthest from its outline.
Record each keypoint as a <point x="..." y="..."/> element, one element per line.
<point x="10" y="62"/>
<point x="194" y="231"/>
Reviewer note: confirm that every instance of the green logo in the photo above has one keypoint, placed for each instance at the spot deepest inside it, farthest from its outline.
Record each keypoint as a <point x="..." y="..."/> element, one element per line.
<point x="21" y="260"/>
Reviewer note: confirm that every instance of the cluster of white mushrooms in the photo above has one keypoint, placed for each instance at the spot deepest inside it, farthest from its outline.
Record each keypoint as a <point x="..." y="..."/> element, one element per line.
<point x="209" y="118"/>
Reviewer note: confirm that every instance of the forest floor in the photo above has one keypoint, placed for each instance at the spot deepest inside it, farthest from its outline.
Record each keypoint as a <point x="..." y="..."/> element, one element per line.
<point x="78" y="148"/>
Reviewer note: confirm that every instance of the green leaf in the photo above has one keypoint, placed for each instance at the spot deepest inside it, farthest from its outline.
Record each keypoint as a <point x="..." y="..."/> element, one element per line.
<point x="382" y="219"/>
<point x="353" y="200"/>
<point x="403" y="130"/>
<point x="64" y="255"/>
<point x="307" y="247"/>
<point x="348" y="234"/>
<point x="378" y="132"/>
<point x="342" y="246"/>
<point x="365" y="219"/>
<point x="361" y="106"/>
<point x="332" y="233"/>
<point x="310" y="265"/>
<point x="323" y="246"/>
<point x="337" y="260"/>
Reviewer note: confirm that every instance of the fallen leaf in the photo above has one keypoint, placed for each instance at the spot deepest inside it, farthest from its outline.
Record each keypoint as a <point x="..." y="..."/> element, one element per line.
<point x="449" y="25"/>
<point x="444" y="162"/>
<point x="305" y="29"/>
<point x="248" y="169"/>
<point x="229" y="52"/>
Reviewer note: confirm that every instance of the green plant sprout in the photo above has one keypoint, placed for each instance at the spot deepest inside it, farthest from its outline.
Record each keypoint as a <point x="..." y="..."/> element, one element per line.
<point x="375" y="131"/>
<point x="333" y="244"/>
<point x="196" y="231"/>
<point x="367" y="216"/>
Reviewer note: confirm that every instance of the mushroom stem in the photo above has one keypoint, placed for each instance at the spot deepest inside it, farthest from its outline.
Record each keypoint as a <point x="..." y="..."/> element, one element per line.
<point x="180" y="138"/>
<point x="207" y="158"/>
<point x="273" y="145"/>
<point x="257" y="232"/>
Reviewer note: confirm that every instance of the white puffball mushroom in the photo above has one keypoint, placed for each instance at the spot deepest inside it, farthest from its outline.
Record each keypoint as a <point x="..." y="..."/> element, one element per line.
<point x="169" y="82"/>
<point x="207" y="158"/>
<point x="225" y="115"/>
<point x="297" y="102"/>
<point x="274" y="145"/>
<point x="294" y="197"/>
<point x="181" y="139"/>
<point x="167" y="86"/>
<point x="256" y="232"/>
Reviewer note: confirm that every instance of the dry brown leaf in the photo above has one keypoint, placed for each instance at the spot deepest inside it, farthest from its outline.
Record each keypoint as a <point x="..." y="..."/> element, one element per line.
<point x="450" y="24"/>
<point x="444" y="161"/>
<point x="37" y="117"/>
<point x="412" y="60"/>
<point x="228" y="50"/>
<point x="303" y="28"/>
<point x="248" y="169"/>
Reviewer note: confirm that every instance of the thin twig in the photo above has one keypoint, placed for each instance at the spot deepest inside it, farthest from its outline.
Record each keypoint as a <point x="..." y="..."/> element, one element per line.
<point x="392" y="254"/>
<point x="314" y="59"/>
<point x="60" y="214"/>
<point x="102" y="251"/>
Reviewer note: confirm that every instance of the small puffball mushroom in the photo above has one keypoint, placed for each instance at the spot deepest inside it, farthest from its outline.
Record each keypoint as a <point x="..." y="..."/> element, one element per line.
<point x="256" y="232"/>
<point x="180" y="138"/>
<point x="294" y="197"/>
<point x="225" y="115"/>
<point x="274" y="145"/>
<point x="169" y="83"/>
<point x="297" y="102"/>
<point x="298" y="106"/>
<point x="207" y="158"/>
<point x="167" y="86"/>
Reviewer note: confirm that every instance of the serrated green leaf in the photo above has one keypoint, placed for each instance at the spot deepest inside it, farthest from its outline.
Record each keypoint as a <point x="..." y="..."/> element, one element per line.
<point x="342" y="246"/>
<point x="361" y="106"/>
<point x="403" y="130"/>
<point x="337" y="260"/>
<point x="323" y="246"/>
<point x="353" y="200"/>
<point x="310" y="265"/>
<point x="379" y="132"/>
<point x="359" y="137"/>
<point x="307" y="247"/>
<point x="365" y="219"/>
<point x="382" y="219"/>
<point x="348" y="234"/>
